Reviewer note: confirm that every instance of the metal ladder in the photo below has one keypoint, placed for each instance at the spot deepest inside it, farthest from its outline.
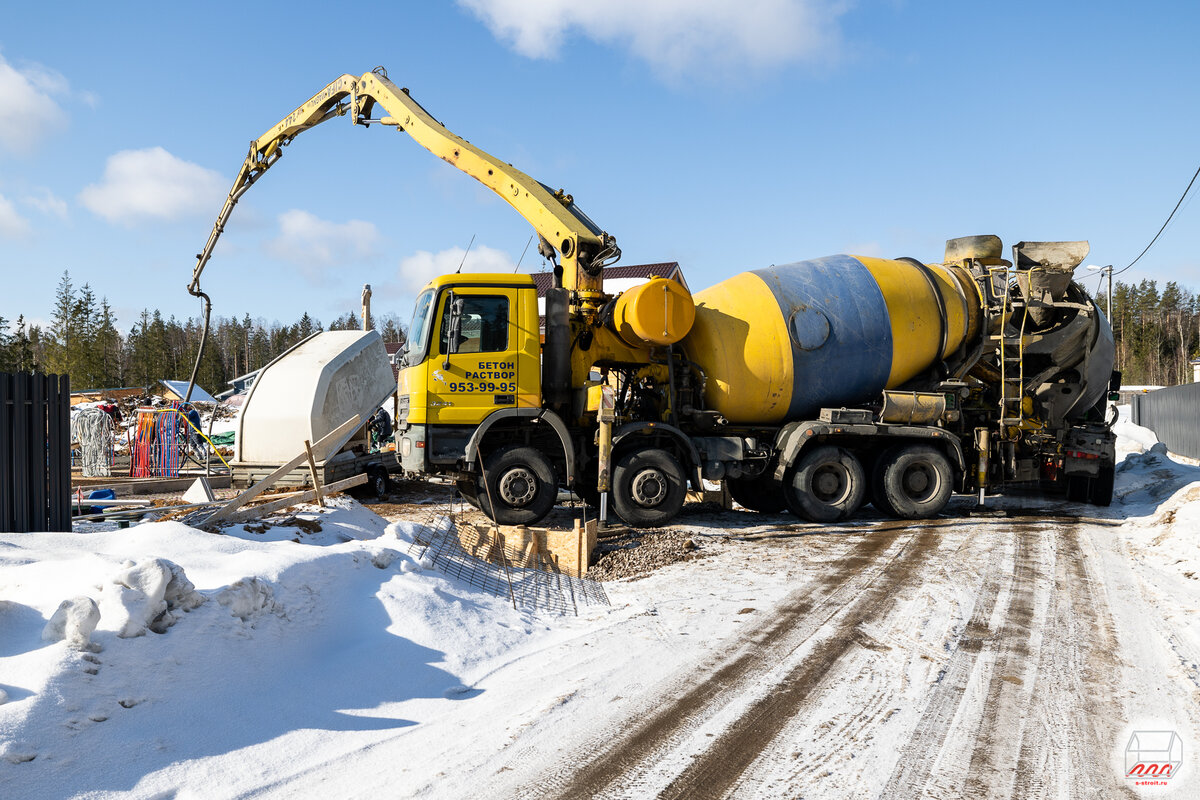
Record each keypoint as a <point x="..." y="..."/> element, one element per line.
<point x="1011" y="352"/>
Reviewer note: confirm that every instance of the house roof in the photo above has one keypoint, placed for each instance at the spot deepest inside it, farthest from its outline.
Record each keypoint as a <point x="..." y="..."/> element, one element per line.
<point x="180" y="389"/>
<point x="665" y="269"/>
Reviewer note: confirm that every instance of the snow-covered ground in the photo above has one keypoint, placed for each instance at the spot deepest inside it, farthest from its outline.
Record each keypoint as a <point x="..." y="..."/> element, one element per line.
<point x="1007" y="656"/>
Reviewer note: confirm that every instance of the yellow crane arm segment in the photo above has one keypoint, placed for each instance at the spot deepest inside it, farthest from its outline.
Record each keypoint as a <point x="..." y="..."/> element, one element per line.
<point x="584" y="249"/>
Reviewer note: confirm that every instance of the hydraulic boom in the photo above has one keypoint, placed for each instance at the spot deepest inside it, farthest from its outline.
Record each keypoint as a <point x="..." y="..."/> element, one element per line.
<point x="582" y="248"/>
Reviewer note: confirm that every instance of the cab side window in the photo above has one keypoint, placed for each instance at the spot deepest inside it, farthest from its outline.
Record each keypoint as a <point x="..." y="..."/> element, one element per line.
<point x="484" y="325"/>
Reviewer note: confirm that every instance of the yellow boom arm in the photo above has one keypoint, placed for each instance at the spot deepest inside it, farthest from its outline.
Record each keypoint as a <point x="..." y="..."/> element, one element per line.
<point x="583" y="248"/>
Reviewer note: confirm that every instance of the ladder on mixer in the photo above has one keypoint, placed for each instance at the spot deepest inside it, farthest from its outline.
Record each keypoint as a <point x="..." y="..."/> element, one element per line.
<point x="1010" y="352"/>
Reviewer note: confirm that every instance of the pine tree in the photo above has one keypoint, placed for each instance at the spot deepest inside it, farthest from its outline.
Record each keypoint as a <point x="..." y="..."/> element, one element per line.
<point x="392" y="330"/>
<point x="83" y="356"/>
<point x="6" y="342"/>
<point x="107" y="344"/>
<point x="306" y="327"/>
<point x="62" y="328"/>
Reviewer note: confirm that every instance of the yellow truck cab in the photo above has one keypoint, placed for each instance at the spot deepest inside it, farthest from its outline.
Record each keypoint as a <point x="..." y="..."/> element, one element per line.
<point x="472" y="362"/>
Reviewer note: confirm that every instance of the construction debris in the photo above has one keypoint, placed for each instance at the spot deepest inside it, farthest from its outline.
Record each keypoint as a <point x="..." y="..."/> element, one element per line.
<point x="321" y="450"/>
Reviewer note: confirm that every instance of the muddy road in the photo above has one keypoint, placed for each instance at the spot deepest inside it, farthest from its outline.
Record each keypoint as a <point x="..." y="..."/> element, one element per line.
<point x="959" y="658"/>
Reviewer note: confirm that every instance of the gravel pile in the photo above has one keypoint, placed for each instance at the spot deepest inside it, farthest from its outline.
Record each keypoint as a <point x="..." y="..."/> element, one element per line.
<point x="639" y="553"/>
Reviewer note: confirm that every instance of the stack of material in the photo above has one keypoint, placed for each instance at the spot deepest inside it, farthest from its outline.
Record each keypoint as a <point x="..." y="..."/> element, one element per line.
<point x="93" y="429"/>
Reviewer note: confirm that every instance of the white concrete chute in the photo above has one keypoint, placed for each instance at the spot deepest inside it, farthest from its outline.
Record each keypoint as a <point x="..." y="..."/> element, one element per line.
<point x="310" y="390"/>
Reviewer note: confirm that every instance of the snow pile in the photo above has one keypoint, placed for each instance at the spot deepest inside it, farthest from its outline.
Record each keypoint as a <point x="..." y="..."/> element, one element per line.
<point x="248" y="598"/>
<point x="323" y="638"/>
<point x="144" y="595"/>
<point x="73" y="623"/>
<point x="1160" y="495"/>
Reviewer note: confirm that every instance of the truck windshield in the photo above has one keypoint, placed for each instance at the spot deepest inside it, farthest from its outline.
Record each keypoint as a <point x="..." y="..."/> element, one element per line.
<point x="418" y="331"/>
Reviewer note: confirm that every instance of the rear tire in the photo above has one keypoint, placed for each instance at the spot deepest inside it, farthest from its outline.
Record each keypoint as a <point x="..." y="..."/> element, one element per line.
<point x="1077" y="488"/>
<point x="913" y="482"/>
<point x="521" y="483"/>
<point x="762" y="493"/>
<point x="648" y="488"/>
<point x="1102" y="487"/>
<point x="826" y="485"/>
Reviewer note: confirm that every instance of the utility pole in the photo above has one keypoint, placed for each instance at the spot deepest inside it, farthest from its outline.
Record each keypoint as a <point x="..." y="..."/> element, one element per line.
<point x="1109" y="268"/>
<point x="1102" y="270"/>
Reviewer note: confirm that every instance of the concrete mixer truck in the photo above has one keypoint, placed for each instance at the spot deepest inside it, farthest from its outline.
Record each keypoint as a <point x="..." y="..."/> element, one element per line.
<point x="815" y="387"/>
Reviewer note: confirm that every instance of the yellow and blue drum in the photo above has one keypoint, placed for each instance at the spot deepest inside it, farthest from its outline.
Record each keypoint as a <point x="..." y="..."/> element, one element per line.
<point x="781" y="343"/>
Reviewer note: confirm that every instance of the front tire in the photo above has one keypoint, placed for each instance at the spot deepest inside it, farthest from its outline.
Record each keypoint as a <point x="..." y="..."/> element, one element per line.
<point x="826" y="485"/>
<point x="520" y="482"/>
<point x="648" y="488"/>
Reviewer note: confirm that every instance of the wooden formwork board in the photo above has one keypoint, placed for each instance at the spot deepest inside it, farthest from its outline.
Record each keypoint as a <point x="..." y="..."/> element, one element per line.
<point x="568" y="552"/>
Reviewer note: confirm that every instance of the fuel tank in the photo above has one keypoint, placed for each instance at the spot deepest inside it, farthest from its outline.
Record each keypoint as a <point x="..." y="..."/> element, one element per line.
<point x="780" y="343"/>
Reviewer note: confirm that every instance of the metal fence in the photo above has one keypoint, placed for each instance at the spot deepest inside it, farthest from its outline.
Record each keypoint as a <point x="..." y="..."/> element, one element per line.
<point x="35" y="452"/>
<point x="1174" y="416"/>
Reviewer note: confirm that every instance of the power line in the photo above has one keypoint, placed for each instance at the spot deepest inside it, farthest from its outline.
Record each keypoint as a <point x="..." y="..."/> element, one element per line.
<point x="1164" y="225"/>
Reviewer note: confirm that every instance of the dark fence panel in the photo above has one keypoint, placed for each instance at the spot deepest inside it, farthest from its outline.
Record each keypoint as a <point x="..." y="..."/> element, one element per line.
<point x="1174" y="416"/>
<point x="35" y="452"/>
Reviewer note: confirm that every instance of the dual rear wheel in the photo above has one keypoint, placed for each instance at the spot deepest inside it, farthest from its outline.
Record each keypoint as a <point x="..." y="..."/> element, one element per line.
<point x="829" y="483"/>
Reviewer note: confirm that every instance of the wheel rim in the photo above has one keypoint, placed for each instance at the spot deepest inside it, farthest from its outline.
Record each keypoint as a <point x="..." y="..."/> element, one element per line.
<point x="649" y="488"/>
<point x="920" y="482"/>
<point x="518" y="486"/>
<point x="829" y="483"/>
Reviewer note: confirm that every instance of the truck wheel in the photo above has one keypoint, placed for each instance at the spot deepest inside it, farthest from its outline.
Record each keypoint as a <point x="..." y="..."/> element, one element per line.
<point x="914" y="482"/>
<point x="826" y="485"/>
<point x="520" y="481"/>
<point x="1078" y="490"/>
<point x="469" y="491"/>
<point x="648" y="488"/>
<point x="762" y="493"/>
<point x="1102" y="487"/>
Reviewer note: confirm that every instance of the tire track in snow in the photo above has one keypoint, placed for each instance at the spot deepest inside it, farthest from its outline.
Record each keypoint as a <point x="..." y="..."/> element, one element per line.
<point x="815" y="753"/>
<point x="715" y="771"/>
<point x="1006" y="702"/>
<point x="918" y="755"/>
<point x="615" y="760"/>
<point x="1073" y="713"/>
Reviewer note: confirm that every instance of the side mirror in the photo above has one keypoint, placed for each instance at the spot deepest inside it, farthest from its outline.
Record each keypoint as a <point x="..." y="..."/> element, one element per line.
<point x="453" y="327"/>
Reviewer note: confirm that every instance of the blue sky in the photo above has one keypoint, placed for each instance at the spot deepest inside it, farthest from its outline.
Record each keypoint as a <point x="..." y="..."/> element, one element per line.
<point x="723" y="135"/>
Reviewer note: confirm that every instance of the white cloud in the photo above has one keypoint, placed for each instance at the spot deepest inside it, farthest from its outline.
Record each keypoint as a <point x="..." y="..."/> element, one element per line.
<point x="28" y="113"/>
<point x="423" y="266"/>
<point x="872" y="249"/>
<point x="314" y="243"/>
<point x="152" y="184"/>
<point x="677" y="37"/>
<point x="46" y="202"/>
<point x="12" y="224"/>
